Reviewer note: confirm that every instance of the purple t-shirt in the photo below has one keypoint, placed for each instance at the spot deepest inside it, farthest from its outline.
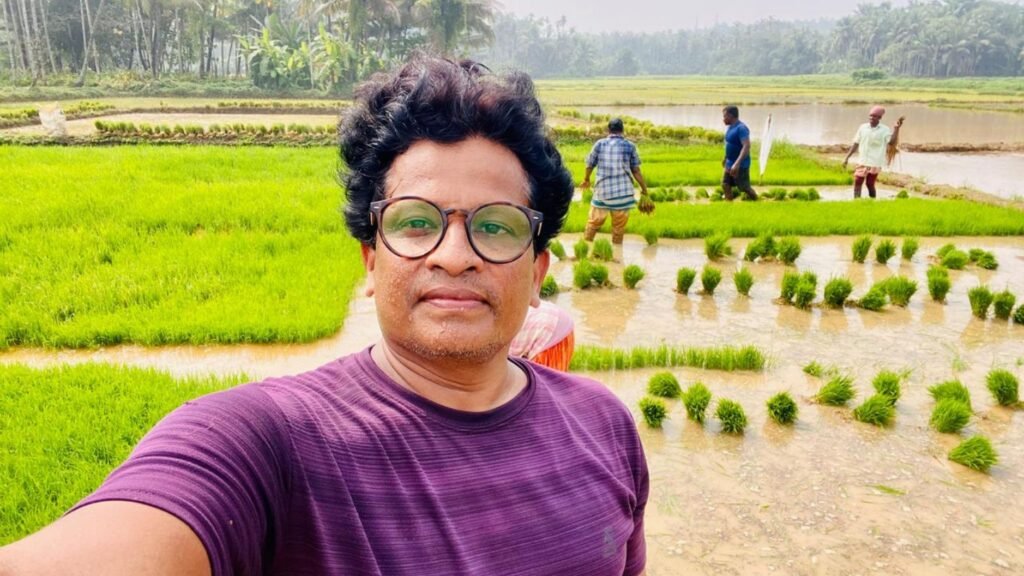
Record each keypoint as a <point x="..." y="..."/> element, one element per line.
<point x="342" y="471"/>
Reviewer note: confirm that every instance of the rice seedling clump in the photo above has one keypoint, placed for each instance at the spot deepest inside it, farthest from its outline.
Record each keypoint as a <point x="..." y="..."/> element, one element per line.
<point x="581" y="249"/>
<point x="900" y="289"/>
<point x="861" y="247"/>
<point x="814" y="369"/>
<point x="950" y="416"/>
<point x="789" y="284"/>
<point x="988" y="261"/>
<point x="653" y="410"/>
<point x="761" y="247"/>
<point x="909" y="248"/>
<point x="884" y="251"/>
<point x="837" y="392"/>
<point x="955" y="260"/>
<point x="557" y="249"/>
<point x="782" y="408"/>
<point x="684" y="279"/>
<point x="599" y="274"/>
<point x="1002" y="304"/>
<point x="549" y="287"/>
<point x="603" y="250"/>
<point x="631" y="275"/>
<point x="717" y="245"/>
<point x="651" y="237"/>
<point x="744" y="280"/>
<point x="837" y="291"/>
<point x="887" y="383"/>
<point x="731" y="414"/>
<point x="976" y="453"/>
<point x="943" y="250"/>
<point x="874" y="300"/>
<point x="981" y="298"/>
<point x="696" y="399"/>
<point x="875" y="410"/>
<point x="1018" y="315"/>
<point x="938" y="283"/>
<point x="582" y="274"/>
<point x="903" y="194"/>
<point x="1004" y="387"/>
<point x="709" y="279"/>
<point x="788" y="249"/>
<point x="806" y="290"/>
<point x="973" y="254"/>
<point x="664" y="384"/>
<point x="953" y="390"/>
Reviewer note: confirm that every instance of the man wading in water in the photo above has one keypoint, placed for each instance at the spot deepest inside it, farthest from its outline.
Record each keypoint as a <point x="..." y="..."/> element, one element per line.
<point x="430" y="452"/>
<point x="871" y="140"/>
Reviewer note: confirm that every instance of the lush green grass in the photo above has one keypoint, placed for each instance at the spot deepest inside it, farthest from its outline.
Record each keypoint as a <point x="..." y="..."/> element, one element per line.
<point x="65" y="428"/>
<point x="720" y="358"/>
<point x="171" y="245"/>
<point x="750" y="219"/>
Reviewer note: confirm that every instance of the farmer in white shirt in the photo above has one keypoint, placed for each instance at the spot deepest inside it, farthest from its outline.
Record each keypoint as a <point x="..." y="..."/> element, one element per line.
<point x="871" y="141"/>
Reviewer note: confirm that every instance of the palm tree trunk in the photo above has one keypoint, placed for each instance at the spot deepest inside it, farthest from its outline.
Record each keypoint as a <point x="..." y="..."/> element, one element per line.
<point x="91" y="44"/>
<point x="46" y="34"/>
<point x="26" y="37"/>
<point x="13" y="35"/>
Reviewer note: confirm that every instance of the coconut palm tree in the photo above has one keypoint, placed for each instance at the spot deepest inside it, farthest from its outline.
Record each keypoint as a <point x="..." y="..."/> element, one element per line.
<point x="454" y="24"/>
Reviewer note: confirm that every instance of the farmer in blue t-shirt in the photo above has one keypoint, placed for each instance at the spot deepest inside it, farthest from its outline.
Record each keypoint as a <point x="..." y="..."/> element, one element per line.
<point x="737" y="155"/>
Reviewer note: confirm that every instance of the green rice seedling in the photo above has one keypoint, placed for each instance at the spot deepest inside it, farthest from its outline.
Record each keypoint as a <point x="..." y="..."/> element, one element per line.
<point x="599" y="274"/>
<point x="782" y="409"/>
<point x="954" y="260"/>
<point x="887" y="383"/>
<point x="581" y="249"/>
<point x="214" y="128"/>
<point x="837" y="291"/>
<point x="875" y="410"/>
<point x="727" y="358"/>
<point x="696" y="399"/>
<point x="976" y="453"/>
<point x="557" y="249"/>
<point x="1004" y="387"/>
<point x="602" y="250"/>
<point x="653" y="410"/>
<point x="665" y="385"/>
<point x="909" y="247"/>
<point x="717" y="195"/>
<point x="776" y="193"/>
<point x="731" y="415"/>
<point x="582" y="274"/>
<point x="943" y="250"/>
<point x="981" y="298"/>
<point x="761" y="247"/>
<point x="974" y="254"/>
<point x="1018" y="315"/>
<point x="875" y="298"/>
<point x="951" y="390"/>
<point x="744" y="280"/>
<point x="938" y="283"/>
<point x="709" y="279"/>
<point x="900" y="289"/>
<point x="837" y="391"/>
<point x="813" y="195"/>
<point x="790" y="280"/>
<point x="903" y="194"/>
<point x="717" y="245"/>
<point x="988" y="261"/>
<point x="861" y="247"/>
<point x="631" y="275"/>
<point x="701" y="194"/>
<point x="1002" y="304"/>
<point x="814" y="369"/>
<point x="651" y="237"/>
<point x="788" y="249"/>
<point x="684" y="279"/>
<point x="549" y="287"/>
<point x="950" y="416"/>
<point x="798" y="194"/>
<point x="884" y="251"/>
<point x="805" y="293"/>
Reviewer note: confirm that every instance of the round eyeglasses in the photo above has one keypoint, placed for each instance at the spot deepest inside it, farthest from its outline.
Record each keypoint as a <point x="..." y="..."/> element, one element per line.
<point x="413" y="227"/>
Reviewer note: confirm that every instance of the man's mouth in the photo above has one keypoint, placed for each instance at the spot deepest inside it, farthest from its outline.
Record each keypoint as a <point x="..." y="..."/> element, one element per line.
<point x="454" y="298"/>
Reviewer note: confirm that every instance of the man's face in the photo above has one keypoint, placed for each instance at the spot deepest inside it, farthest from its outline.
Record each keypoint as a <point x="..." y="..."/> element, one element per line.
<point x="452" y="304"/>
<point x="874" y="119"/>
<point x="727" y="118"/>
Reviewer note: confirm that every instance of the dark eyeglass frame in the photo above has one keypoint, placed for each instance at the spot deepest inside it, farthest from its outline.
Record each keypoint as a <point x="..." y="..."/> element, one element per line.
<point x="535" y="219"/>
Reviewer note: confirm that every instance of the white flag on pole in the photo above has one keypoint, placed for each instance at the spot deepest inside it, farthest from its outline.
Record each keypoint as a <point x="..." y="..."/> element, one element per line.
<point x="766" y="144"/>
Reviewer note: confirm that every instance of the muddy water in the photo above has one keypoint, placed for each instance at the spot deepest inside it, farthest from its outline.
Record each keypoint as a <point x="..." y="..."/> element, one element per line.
<point x="828" y="496"/>
<point x="998" y="174"/>
<point x="87" y="126"/>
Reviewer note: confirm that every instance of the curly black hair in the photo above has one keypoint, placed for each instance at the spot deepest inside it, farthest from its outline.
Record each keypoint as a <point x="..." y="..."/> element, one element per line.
<point x="435" y="99"/>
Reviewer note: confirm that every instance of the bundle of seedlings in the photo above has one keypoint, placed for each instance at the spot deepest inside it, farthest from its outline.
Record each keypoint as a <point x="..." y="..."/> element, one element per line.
<point x="1018" y="315"/>
<point x="684" y="279"/>
<point x="789" y="284"/>
<point x="762" y="247"/>
<point x="980" y="298"/>
<point x="653" y="410"/>
<point x="909" y="248"/>
<point x="665" y="385"/>
<point x="599" y="275"/>
<point x="875" y="298"/>
<point x="631" y="275"/>
<point x="549" y="287"/>
<point x="701" y="194"/>
<point x="709" y="279"/>
<point x="743" y="280"/>
<point x="582" y="274"/>
<point x="788" y="250"/>
<point x="651" y="237"/>
<point x="950" y="416"/>
<point x="581" y="249"/>
<point x="988" y="261"/>
<point x="556" y="248"/>
<point x="602" y="250"/>
<point x="884" y="251"/>
<point x="1002" y="304"/>
<point x="955" y="259"/>
<point x="943" y="250"/>
<point x="902" y="195"/>
<point x="938" y="283"/>
<point x="837" y="291"/>
<point x="952" y="390"/>
<point x="875" y="410"/>
<point x="976" y="453"/>
<point x="782" y="409"/>
<point x="814" y="369"/>
<point x="887" y="384"/>
<point x="861" y="247"/>
<point x="899" y="289"/>
<point x="836" y="392"/>
<point x="806" y="290"/>
<point x="1004" y="387"/>
<point x="696" y="399"/>
<point x="717" y="245"/>
<point x="731" y="415"/>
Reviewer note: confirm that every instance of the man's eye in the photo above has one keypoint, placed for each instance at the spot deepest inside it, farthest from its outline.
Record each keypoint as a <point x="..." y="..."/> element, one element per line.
<point x="494" y="228"/>
<point x="415" y="224"/>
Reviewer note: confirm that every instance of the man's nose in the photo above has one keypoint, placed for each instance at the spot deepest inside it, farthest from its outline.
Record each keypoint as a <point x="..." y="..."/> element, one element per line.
<point x="455" y="254"/>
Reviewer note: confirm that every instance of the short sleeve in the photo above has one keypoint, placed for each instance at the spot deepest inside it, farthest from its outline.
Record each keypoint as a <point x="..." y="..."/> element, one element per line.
<point x="634" y="157"/>
<point x="742" y="132"/>
<point x="856" y="135"/>
<point x="219" y="464"/>
<point x="591" y="160"/>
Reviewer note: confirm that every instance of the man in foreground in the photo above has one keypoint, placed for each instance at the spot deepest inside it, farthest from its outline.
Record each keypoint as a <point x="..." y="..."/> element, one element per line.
<point x="737" y="155"/>
<point x="871" y="140"/>
<point x="617" y="164"/>
<point x="430" y="452"/>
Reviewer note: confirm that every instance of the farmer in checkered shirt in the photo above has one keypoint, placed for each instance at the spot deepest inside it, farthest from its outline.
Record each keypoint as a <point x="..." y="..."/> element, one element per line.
<point x="617" y="165"/>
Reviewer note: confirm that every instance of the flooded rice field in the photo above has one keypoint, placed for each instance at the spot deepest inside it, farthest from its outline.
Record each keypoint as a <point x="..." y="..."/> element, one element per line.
<point x="87" y="126"/>
<point x="828" y="496"/>
<point x="998" y="174"/>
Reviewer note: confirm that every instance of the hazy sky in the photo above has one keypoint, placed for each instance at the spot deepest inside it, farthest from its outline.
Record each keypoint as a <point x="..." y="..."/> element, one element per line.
<point x="652" y="15"/>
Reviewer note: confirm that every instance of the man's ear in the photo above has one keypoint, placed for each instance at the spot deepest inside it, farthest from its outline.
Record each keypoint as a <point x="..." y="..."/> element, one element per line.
<point x="369" y="260"/>
<point x="540" y="270"/>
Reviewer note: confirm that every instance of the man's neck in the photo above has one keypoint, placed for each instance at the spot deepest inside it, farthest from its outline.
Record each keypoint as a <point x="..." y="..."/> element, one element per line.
<point x="460" y="385"/>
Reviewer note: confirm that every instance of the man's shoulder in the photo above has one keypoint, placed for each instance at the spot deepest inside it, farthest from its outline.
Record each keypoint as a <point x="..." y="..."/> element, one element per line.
<point x="578" y="393"/>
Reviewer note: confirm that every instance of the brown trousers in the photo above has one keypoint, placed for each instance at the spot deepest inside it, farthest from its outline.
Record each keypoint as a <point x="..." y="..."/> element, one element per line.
<point x="597" y="218"/>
